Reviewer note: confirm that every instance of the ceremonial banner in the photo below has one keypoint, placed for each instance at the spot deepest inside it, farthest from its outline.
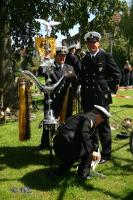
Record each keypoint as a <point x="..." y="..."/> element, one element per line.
<point x="24" y="112"/>
<point x="43" y="43"/>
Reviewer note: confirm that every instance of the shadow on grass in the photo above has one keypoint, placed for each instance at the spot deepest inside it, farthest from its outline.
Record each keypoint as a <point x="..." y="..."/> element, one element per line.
<point x="19" y="157"/>
<point x="126" y="106"/>
<point x="40" y="180"/>
<point x="121" y="146"/>
<point x="43" y="180"/>
<point x="122" y="106"/>
<point x="121" y="165"/>
<point x="129" y="196"/>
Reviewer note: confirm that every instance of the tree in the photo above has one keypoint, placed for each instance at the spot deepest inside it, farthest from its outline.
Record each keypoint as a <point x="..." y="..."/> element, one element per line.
<point x="68" y="12"/>
<point x="126" y="27"/>
<point x="5" y="52"/>
<point x="17" y="21"/>
<point x="72" y="12"/>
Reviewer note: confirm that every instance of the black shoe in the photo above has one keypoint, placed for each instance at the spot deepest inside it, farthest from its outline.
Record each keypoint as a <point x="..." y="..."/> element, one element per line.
<point x="88" y="177"/>
<point x="102" y="161"/>
<point x="41" y="148"/>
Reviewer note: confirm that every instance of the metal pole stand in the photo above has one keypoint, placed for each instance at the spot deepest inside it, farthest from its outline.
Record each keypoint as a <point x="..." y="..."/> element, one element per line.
<point x="51" y="125"/>
<point x="50" y="121"/>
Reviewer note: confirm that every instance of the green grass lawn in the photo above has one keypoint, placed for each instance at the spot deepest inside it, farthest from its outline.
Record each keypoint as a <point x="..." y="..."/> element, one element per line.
<point x="24" y="173"/>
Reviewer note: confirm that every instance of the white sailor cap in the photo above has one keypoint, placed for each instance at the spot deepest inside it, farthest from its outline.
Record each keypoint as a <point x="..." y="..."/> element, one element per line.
<point x="103" y="110"/>
<point x="72" y="46"/>
<point x="92" y="36"/>
<point x="61" y="50"/>
<point x="78" y="46"/>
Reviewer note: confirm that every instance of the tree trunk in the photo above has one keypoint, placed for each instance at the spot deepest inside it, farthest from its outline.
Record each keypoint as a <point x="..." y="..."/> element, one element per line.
<point x="6" y="72"/>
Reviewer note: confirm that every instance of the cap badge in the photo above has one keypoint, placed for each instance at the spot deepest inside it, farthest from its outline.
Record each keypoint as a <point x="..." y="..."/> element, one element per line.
<point x="100" y="69"/>
<point x="106" y="96"/>
<point x="91" y="36"/>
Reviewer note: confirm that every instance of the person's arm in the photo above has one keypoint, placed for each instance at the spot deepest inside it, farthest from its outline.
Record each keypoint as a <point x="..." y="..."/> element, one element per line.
<point x="70" y="73"/>
<point x="113" y="71"/>
<point x="90" y="143"/>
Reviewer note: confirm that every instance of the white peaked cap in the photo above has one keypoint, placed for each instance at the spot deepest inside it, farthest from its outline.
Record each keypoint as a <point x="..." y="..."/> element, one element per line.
<point x="78" y="45"/>
<point x="92" y="35"/>
<point x="62" y="50"/>
<point x="103" y="110"/>
<point x="72" y="46"/>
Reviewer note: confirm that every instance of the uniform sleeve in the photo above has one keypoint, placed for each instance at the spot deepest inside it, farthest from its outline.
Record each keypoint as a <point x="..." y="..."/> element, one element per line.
<point x="77" y="65"/>
<point x="73" y="61"/>
<point x="112" y="69"/>
<point x="73" y="80"/>
<point x="89" y="143"/>
<point x="95" y="141"/>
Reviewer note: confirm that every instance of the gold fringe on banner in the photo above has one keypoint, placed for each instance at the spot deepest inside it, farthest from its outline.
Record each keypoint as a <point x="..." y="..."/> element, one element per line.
<point x="62" y="117"/>
<point x="24" y="114"/>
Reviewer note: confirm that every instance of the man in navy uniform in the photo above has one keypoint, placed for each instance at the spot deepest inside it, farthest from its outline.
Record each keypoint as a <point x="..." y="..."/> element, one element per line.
<point x="66" y="89"/>
<point x="98" y="67"/>
<point x="76" y="139"/>
<point x="72" y="59"/>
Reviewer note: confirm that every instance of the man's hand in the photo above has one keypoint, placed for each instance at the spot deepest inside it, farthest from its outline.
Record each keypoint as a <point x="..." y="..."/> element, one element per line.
<point x="96" y="155"/>
<point x="69" y="72"/>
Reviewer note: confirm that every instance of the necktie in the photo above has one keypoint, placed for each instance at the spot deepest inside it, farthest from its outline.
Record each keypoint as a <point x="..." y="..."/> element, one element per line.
<point x="92" y="58"/>
<point x="59" y="67"/>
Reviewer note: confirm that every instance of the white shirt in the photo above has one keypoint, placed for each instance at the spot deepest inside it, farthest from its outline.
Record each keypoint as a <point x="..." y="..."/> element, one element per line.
<point x="93" y="55"/>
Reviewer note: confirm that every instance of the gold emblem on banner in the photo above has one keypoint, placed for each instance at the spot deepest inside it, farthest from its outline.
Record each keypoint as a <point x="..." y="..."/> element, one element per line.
<point x="43" y="43"/>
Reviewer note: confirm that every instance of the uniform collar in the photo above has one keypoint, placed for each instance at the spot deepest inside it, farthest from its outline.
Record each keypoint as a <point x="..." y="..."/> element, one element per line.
<point x="59" y="66"/>
<point x="94" y="53"/>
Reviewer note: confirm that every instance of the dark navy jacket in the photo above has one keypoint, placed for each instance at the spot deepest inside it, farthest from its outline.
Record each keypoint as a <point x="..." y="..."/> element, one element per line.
<point x="77" y="136"/>
<point x="74" y="61"/>
<point x="94" y="79"/>
<point x="59" y="93"/>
